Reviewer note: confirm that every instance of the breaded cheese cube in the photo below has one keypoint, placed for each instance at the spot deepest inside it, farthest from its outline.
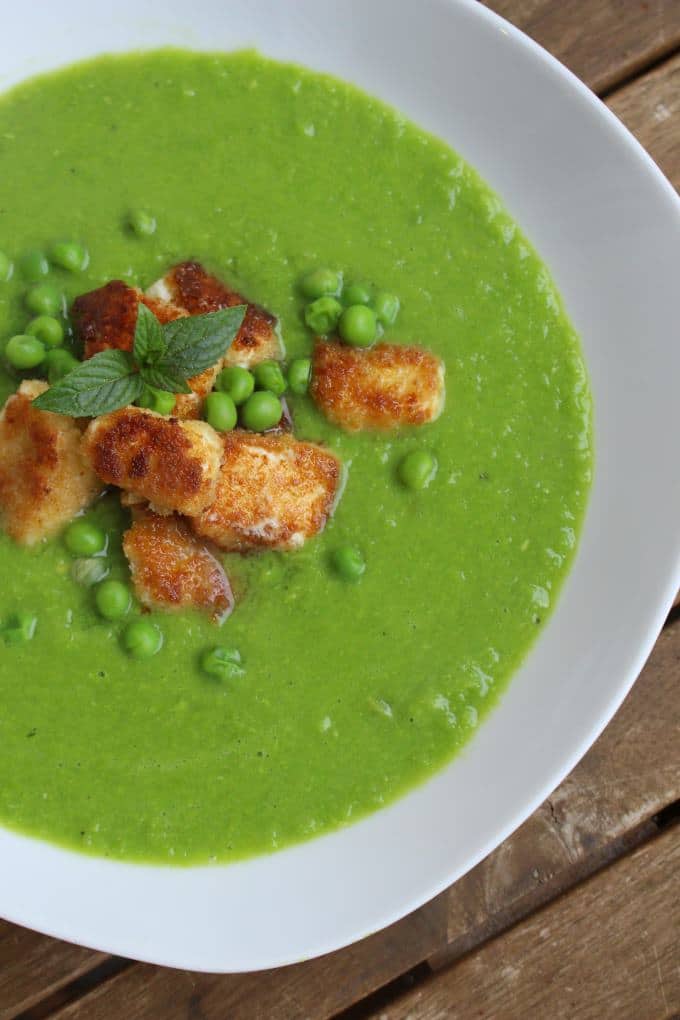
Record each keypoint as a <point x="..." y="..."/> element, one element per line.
<point x="274" y="492"/>
<point x="172" y="569"/>
<point x="45" y="480"/>
<point x="381" y="387"/>
<point x="172" y="464"/>
<point x="190" y="287"/>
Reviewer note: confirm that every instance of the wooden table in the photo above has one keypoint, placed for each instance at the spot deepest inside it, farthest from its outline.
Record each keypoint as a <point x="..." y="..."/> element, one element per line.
<point x="576" y="915"/>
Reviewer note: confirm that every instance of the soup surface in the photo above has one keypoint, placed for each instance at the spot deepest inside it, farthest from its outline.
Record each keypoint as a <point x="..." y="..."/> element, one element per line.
<point x="352" y="693"/>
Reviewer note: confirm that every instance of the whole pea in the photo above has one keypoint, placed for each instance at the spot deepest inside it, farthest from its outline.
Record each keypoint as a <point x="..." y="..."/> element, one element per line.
<point x="219" y="410"/>
<point x="348" y="562"/>
<point x="261" y="411"/>
<point x="386" y="308"/>
<point x="20" y="628"/>
<point x="44" y="299"/>
<point x="141" y="223"/>
<point x="358" y="326"/>
<point x="69" y="255"/>
<point x="33" y="265"/>
<point x="142" y="639"/>
<point x="356" y="294"/>
<point x="268" y="376"/>
<point x="112" y="599"/>
<point x="24" y="352"/>
<point x="238" y="382"/>
<point x="299" y="375"/>
<point x="47" y="329"/>
<point x="417" y="469"/>
<point x="160" y="401"/>
<point x="321" y="282"/>
<point x="82" y="538"/>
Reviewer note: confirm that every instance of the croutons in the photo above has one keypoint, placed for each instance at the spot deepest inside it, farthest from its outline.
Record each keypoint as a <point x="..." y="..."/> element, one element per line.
<point x="382" y="387"/>
<point x="273" y="492"/>
<point x="173" y="464"/>
<point x="105" y="318"/>
<point x="190" y="287"/>
<point x="44" y="478"/>
<point x="171" y="569"/>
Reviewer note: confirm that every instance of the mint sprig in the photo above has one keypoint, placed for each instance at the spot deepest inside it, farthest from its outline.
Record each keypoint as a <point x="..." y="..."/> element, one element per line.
<point x="163" y="356"/>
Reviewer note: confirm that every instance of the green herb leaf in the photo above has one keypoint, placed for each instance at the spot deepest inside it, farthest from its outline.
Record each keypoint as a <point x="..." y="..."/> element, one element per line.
<point x="104" y="383"/>
<point x="161" y="379"/>
<point x="150" y="344"/>
<point x="199" y="341"/>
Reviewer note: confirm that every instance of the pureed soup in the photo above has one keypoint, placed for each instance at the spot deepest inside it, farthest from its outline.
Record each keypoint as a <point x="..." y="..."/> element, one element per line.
<point x="350" y="689"/>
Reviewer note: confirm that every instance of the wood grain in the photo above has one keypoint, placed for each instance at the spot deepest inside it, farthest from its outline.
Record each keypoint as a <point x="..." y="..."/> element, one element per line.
<point x="33" y="966"/>
<point x="650" y="108"/>
<point x="609" y="949"/>
<point x="603" y="43"/>
<point x="603" y="807"/>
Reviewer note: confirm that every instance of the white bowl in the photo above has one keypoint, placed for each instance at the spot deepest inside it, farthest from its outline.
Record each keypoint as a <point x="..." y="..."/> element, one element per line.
<point x="608" y="225"/>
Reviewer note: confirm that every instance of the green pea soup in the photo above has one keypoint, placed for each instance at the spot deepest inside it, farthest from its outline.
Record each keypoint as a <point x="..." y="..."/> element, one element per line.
<point x="349" y="693"/>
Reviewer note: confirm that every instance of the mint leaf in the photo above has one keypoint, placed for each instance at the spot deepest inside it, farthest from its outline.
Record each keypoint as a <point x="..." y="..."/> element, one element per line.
<point x="150" y="342"/>
<point x="160" y="379"/>
<point x="199" y="341"/>
<point x="104" y="383"/>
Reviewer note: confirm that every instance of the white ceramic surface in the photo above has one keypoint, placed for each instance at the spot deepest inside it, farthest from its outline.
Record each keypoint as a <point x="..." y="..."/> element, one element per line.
<point x="608" y="224"/>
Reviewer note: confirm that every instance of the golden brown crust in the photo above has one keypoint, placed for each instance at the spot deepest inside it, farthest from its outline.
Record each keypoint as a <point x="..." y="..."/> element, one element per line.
<point x="106" y="318"/>
<point x="171" y="569"/>
<point x="274" y="492"/>
<point x="196" y="290"/>
<point x="44" y="478"/>
<point x="382" y="387"/>
<point x="173" y="464"/>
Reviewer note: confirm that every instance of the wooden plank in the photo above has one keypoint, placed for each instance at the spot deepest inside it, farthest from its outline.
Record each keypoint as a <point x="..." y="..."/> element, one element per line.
<point x="610" y="948"/>
<point x="650" y="107"/>
<point x="33" y="966"/>
<point x="603" y="43"/>
<point x="632" y="772"/>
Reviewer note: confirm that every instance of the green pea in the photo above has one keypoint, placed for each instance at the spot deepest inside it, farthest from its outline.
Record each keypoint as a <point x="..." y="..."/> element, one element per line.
<point x="69" y="255"/>
<point x="358" y="326"/>
<point x="59" y="363"/>
<point x="223" y="663"/>
<point x="356" y="294"/>
<point x="6" y="267"/>
<point x="89" y="571"/>
<point x="261" y="411"/>
<point x="82" y="538"/>
<point x="112" y="599"/>
<point x="33" y="265"/>
<point x="238" y="382"/>
<point x="48" y="330"/>
<point x="159" y="401"/>
<point x="417" y="469"/>
<point x="321" y="283"/>
<point x="20" y="628"/>
<point x="142" y="639"/>
<point x="268" y="376"/>
<point x="24" y="352"/>
<point x="386" y="308"/>
<point x="44" y="299"/>
<point x="219" y="410"/>
<point x="299" y="374"/>
<point x="142" y="223"/>
<point x="322" y="315"/>
<point x="348" y="562"/>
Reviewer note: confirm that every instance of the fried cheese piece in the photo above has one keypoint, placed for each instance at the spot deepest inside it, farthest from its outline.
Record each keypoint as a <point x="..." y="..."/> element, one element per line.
<point x="171" y="569"/>
<point x="381" y="387"/>
<point x="190" y="287"/>
<point x="172" y="464"/>
<point x="274" y="492"/>
<point x="44" y="478"/>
